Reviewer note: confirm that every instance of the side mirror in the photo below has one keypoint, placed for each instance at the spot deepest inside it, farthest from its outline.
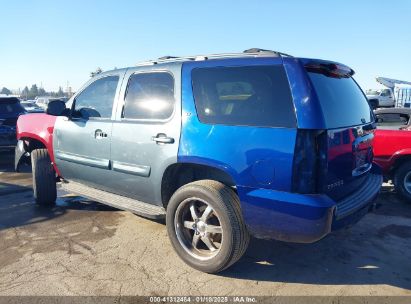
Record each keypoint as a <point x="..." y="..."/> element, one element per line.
<point x="56" y="108"/>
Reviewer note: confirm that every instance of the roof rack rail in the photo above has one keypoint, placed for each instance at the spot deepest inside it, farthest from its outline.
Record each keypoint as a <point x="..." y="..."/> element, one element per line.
<point x="167" y="57"/>
<point x="163" y="60"/>
<point x="247" y="53"/>
<point x="258" y="50"/>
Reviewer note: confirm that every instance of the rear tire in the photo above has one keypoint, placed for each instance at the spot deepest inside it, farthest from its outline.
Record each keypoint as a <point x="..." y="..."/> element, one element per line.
<point x="44" y="178"/>
<point x="402" y="181"/>
<point x="206" y="227"/>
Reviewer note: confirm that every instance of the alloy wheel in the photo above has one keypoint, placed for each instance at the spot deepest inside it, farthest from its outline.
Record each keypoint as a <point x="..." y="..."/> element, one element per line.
<point x="198" y="228"/>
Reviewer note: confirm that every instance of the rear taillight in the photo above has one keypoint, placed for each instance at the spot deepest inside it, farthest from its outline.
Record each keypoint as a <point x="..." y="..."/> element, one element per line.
<point x="310" y="161"/>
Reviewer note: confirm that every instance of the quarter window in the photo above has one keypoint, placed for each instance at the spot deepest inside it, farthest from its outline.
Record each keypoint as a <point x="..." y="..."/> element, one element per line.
<point x="97" y="99"/>
<point x="149" y="96"/>
<point x="247" y="96"/>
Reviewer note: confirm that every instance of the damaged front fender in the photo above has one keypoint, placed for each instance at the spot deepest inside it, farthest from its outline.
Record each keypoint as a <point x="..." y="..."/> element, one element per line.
<point x="21" y="156"/>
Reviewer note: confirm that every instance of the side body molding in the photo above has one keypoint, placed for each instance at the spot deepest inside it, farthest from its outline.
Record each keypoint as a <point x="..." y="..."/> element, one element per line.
<point x="83" y="160"/>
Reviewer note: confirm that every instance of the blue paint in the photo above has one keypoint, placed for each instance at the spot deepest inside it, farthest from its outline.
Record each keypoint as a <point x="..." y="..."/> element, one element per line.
<point x="260" y="160"/>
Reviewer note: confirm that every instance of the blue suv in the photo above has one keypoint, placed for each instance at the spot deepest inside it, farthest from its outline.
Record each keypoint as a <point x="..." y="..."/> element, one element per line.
<point x="223" y="146"/>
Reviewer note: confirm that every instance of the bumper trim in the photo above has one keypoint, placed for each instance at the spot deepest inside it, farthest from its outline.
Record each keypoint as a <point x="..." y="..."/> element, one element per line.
<point x="361" y="197"/>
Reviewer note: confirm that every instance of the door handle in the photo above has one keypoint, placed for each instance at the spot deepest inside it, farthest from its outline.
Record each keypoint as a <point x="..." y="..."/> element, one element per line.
<point x="162" y="138"/>
<point x="99" y="134"/>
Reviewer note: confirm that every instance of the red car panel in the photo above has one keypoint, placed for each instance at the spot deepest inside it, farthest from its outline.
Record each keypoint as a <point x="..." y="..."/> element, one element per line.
<point x="389" y="146"/>
<point x="38" y="126"/>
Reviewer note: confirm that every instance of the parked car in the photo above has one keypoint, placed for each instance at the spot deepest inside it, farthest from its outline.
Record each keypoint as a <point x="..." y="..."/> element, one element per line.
<point x="31" y="106"/>
<point x="222" y="146"/>
<point x="10" y="110"/>
<point x="43" y="101"/>
<point x="392" y="148"/>
<point x="380" y="98"/>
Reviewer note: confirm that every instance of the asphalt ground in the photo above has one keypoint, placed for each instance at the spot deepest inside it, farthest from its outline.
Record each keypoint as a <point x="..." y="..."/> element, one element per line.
<point x="80" y="247"/>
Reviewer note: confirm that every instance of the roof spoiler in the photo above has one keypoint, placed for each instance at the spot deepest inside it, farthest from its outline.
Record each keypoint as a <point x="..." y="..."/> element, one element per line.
<point x="329" y="68"/>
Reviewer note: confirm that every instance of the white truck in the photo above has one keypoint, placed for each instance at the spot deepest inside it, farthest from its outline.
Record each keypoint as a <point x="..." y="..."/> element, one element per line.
<point x="397" y="94"/>
<point x="380" y="98"/>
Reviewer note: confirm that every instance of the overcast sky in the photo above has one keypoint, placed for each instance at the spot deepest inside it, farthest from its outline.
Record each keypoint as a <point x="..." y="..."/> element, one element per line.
<point x="55" y="42"/>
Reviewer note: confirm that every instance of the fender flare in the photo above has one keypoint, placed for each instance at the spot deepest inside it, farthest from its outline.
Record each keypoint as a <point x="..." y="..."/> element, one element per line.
<point x="398" y="155"/>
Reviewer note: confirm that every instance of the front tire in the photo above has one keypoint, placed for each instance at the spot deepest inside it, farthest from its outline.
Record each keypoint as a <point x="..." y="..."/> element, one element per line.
<point x="402" y="181"/>
<point x="44" y="178"/>
<point x="206" y="227"/>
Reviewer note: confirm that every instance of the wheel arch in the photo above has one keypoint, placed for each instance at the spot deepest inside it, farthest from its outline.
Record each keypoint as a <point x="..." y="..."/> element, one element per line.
<point x="26" y="144"/>
<point x="35" y="142"/>
<point x="399" y="160"/>
<point x="179" y="174"/>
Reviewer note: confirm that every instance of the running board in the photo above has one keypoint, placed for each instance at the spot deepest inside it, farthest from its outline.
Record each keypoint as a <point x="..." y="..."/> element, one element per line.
<point x="114" y="200"/>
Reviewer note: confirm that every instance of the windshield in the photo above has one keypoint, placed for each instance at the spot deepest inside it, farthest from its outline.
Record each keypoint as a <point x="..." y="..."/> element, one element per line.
<point x="342" y="101"/>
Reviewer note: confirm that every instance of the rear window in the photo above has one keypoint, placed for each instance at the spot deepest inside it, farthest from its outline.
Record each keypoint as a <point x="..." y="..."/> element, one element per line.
<point x="342" y="101"/>
<point x="10" y="105"/>
<point x="245" y="96"/>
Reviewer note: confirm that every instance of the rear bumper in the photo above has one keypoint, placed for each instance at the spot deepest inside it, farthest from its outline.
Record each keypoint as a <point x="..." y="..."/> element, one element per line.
<point x="303" y="218"/>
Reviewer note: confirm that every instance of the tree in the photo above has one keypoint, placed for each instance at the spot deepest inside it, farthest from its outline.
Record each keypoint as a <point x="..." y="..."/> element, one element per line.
<point x="25" y="92"/>
<point x="34" y="91"/>
<point x="60" y="92"/>
<point x="5" y="90"/>
<point x="42" y="92"/>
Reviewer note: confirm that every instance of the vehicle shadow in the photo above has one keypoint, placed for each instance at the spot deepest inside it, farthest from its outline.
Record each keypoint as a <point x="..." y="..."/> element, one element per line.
<point x="377" y="250"/>
<point x="17" y="205"/>
<point x="17" y="212"/>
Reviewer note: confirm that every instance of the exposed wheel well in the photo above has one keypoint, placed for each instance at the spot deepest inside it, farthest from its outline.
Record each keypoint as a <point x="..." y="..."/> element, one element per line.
<point x="178" y="175"/>
<point x="400" y="160"/>
<point x="31" y="144"/>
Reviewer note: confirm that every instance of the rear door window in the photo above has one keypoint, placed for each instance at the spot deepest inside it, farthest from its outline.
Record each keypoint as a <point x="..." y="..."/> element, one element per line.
<point x="342" y="101"/>
<point x="149" y="96"/>
<point x="244" y="96"/>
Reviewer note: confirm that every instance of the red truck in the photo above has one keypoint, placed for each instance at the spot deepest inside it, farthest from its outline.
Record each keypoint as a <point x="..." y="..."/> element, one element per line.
<point x="392" y="148"/>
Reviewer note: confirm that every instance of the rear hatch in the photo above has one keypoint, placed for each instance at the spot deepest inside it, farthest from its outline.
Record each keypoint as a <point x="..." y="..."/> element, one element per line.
<point x="350" y="157"/>
<point x="347" y="142"/>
